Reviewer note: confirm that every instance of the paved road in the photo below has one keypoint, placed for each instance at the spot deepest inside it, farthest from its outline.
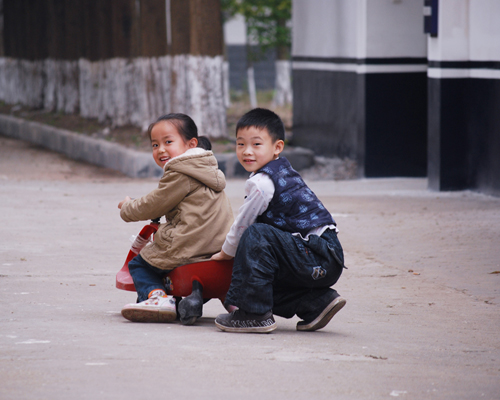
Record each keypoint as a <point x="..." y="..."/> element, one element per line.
<point x="422" y="319"/>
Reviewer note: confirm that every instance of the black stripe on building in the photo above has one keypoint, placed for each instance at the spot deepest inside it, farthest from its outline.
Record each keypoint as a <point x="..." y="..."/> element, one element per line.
<point x="464" y="64"/>
<point x="363" y="61"/>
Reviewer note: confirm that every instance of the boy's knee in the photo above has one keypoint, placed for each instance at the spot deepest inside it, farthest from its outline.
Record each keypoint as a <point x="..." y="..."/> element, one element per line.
<point x="251" y="231"/>
<point x="256" y="232"/>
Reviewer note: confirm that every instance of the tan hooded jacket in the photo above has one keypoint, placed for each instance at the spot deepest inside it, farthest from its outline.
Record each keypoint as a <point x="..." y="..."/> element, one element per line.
<point x="190" y="195"/>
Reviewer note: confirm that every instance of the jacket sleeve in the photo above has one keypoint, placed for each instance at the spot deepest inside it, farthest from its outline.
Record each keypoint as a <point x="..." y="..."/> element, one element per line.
<point x="259" y="191"/>
<point x="172" y="189"/>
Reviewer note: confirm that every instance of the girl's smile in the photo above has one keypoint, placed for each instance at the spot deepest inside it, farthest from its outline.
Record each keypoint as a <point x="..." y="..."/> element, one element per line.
<point x="168" y="143"/>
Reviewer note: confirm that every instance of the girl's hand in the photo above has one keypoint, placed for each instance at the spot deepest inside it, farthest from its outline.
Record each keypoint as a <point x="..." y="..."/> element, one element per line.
<point x="221" y="256"/>
<point x="123" y="202"/>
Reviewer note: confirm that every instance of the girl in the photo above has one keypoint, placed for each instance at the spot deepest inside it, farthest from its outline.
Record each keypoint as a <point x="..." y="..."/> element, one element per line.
<point x="198" y="214"/>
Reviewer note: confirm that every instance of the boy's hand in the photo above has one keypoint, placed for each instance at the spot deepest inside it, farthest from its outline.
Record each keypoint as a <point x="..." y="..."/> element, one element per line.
<point x="123" y="202"/>
<point x="221" y="256"/>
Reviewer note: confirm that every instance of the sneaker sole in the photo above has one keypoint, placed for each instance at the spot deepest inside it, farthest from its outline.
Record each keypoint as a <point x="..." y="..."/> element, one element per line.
<point x="324" y="318"/>
<point x="139" y="315"/>
<point x="260" y="329"/>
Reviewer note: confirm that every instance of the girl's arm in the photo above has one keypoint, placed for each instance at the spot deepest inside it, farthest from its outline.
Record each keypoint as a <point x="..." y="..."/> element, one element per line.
<point x="120" y="204"/>
<point x="172" y="189"/>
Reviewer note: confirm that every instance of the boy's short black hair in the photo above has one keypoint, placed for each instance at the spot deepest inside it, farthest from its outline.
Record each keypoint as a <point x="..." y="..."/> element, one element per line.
<point x="263" y="118"/>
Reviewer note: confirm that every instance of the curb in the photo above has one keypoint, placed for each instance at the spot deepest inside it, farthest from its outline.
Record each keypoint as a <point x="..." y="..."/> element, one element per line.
<point x="80" y="147"/>
<point x="135" y="164"/>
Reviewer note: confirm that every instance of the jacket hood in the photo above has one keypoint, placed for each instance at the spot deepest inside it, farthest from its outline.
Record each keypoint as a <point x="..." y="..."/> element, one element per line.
<point x="201" y="165"/>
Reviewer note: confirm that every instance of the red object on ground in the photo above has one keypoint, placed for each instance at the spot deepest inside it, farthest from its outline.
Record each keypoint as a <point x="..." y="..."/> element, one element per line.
<point x="214" y="276"/>
<point x="123" y="279"/>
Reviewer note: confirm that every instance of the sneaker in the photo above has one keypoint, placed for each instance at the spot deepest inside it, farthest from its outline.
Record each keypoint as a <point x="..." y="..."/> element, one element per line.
<point x="155" y="309"/>
<point x="324" y="317"/>
<point x="241" y="321"/>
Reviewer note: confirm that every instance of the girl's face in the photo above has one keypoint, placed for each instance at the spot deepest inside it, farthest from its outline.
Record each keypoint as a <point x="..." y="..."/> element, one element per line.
<point x="168" y="143"/>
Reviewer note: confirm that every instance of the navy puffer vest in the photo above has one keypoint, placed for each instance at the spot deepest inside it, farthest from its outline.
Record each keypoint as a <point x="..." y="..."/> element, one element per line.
<point x="294" y="207"/>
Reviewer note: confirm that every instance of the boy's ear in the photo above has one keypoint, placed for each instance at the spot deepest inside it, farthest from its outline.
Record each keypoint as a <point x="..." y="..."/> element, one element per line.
<point x="278" y="147"/>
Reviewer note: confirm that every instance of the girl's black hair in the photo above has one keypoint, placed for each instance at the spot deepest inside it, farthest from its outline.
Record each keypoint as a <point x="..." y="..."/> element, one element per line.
<point x="204" y="143"/>
<point x="186" y="128"/>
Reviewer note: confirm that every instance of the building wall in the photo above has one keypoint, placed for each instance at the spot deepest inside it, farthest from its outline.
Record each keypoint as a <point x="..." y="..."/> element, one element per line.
<point x="359" y="81"/>
<point x="464" y="97"/>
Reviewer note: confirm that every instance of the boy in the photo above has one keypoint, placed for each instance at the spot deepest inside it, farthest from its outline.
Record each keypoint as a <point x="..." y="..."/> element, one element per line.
<point x="284" y="242"/>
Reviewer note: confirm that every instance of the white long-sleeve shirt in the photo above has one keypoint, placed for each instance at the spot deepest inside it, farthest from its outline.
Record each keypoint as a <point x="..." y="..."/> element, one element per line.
<point x="259" y="191"/>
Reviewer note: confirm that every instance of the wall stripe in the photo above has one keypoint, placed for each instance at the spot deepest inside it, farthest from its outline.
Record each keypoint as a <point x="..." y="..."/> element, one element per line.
<point x="456" y="73"/>
<point x="464" y="69"/>
<point x="359" y="69"/>
<point x="361" y="65"/>
<point x="360" y="61"/>
<point x="435" y="69"/>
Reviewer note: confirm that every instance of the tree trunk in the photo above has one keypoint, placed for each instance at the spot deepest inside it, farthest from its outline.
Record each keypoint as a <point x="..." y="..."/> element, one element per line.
<point x="107" y="59"/>
<point x="226" y="84"/>
<point x="252" y="92"/>
<point x="206" y="27"/>
<point x="197" y="64"/>
<point x="22" y="81"/>
<point x="283" y="81"/>
<point x="225" y="72"/>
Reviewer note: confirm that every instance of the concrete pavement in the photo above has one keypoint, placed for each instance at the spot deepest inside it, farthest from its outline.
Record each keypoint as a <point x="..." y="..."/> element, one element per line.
<point x="422" y="317"/>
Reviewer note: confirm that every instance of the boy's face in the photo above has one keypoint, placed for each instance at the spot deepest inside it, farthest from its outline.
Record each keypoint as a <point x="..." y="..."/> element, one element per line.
<point x="255" y="148"/>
